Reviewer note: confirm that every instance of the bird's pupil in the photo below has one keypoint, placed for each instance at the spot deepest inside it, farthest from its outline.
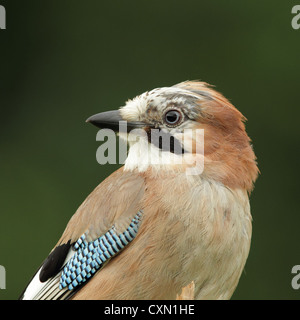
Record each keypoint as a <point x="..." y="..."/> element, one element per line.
<point x="172" y="117"/>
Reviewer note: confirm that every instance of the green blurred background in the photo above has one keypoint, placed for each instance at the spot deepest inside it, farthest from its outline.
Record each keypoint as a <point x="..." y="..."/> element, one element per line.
<point x="62" y="61"/>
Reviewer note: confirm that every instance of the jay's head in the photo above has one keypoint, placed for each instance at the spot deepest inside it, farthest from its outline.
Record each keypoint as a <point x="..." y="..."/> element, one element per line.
<point x="189" y="120"/>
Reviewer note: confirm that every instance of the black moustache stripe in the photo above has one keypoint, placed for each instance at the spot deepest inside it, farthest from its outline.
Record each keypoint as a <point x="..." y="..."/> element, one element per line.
<point x="164" y="141"/>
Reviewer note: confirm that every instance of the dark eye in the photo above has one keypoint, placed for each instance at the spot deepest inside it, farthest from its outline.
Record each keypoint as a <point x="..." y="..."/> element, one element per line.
<point x="173" y="117"/>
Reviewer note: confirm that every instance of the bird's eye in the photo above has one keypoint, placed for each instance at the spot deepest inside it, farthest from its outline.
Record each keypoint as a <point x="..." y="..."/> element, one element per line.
<point x="173" y="117"/>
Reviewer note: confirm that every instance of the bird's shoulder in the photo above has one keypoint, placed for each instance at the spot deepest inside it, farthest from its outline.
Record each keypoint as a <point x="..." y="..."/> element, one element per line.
<point x="114" y="201"/>
<point x="105" y="223"/>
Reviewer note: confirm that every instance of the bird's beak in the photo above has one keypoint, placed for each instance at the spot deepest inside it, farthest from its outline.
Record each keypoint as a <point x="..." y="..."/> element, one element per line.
<point x="111" y="120"/>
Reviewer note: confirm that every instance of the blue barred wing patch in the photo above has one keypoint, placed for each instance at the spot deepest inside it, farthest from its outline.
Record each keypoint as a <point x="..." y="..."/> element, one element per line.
<point x="90" y="256"/>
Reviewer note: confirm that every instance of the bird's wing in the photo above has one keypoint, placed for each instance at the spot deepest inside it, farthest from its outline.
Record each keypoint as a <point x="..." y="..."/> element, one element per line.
<point x="106" y="222"/>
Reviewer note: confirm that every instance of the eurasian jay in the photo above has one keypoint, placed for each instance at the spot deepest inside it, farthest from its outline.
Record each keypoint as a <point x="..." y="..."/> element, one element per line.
<point x="153" y="227"/>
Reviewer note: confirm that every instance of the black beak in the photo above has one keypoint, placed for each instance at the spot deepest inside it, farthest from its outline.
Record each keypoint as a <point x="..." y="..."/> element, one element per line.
<point x="113" y="120"/>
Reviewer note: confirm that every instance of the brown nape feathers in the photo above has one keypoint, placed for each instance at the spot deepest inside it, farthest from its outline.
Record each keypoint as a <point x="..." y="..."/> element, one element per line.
<point x="229" y="156"/>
